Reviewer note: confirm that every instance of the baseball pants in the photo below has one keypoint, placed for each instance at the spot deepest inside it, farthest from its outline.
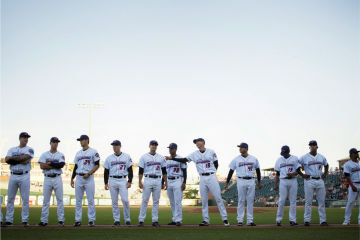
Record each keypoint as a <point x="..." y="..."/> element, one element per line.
<point x="210" y="183"/>
<point x="351" y="200"/>
<point x="246" y="190"/>
<point x="151" y="185"/>
<point x="175" y="195"/>
<point x="317" y="186"/>
<point x="50" y="184"/>
<point x="85" y="185"/>
<point x="16" y="182"/>
<point x="118" y="185"/>
<point x="287" y="186"/>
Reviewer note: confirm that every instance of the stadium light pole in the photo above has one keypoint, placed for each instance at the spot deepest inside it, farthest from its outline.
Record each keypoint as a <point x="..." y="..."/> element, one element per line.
<point x="91" y="106"/>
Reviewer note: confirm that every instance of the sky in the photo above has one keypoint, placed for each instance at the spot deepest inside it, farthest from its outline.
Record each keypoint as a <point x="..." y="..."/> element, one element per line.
<point x="268" y="73"/>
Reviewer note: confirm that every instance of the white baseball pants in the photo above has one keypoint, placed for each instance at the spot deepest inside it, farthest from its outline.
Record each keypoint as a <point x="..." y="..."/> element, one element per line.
<point x="175" y="195"/>
<point x="246" y="190"/>
<point x="210" y="183"/>
<point x="16" y="182"/>
<point x="287" y="186"/>
<point x="317" y="186"/>
<point x="118" y="185"/>
<point x="151" y="185"/>
<point x="50" y="184"/>
<point x="351" y="200"/>
<point x="82" y="185"/>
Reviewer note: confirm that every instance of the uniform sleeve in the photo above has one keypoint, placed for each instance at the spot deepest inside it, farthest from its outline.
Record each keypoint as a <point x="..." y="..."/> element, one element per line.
<point x="9" y="153"/>
<point x="301" y="160"/>
<point x="31" y="152"/>
<point x="297" y="164"/>
<point x="96" y="156"/>
<point x="75" y="159"/>
<point x="42" y="159"/>
<point x="277" y="167"/>
<point x="257" y="163"/>
<point x="106" y="164"/>
<point x="62" y="159"/>
<point x="325" y="163"/>
<point x="347" y="169"/>
<point x="141" y="163"/>
<point x="183" y="165"/>
<point x="214" y="156"/>
<point x="232" y="164"/>
<point x="190" y="157"/>
<point x="163" y="163"/>
<point x="129" y="162"/>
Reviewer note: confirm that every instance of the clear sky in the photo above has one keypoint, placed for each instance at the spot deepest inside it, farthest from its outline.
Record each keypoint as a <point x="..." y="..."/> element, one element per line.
<point x="269" y="73"/>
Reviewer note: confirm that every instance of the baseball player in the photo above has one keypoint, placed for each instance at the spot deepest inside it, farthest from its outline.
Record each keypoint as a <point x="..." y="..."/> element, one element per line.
<point x="352" y="174"/>
<point x="51" y="162"/>
<point x="245" y="166"/>
<point x="152" y="166"/>
<point x="118" y="166"/>
<point x="206" y="164"/>
<point x="314" y="182"/>
<point x="176" y="175"/>
<point x="285" y="168"/>
<point x="86" y="163"/>
<point x="19" y="159"/>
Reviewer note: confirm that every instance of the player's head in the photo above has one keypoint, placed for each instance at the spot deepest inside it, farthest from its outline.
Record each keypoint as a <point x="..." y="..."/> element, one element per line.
<point x="54" y="142"/>
<point x="354" y="153"/>
<point x="153" y="145"/>
<point x="24" y="138"/>
<point x="84" y="140"/>
<point x="116" y="146"/>
<point x="172" y="148"/>
<point x="285" y="151"/>
<point x="200" y="142"/>
<point x="243" y="148"/>
<point x="313" y="146"/>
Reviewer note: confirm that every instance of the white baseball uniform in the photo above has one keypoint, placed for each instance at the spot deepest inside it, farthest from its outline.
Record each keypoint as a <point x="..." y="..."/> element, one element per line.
<point x="208" y="181"/>
<point x="152" y="165"/>
<point x="118" y="167"/>
<point x="174" y="191"/>
<point x="52" y="180"/>
<point x="86" y="162"/>
<point x="313" y="167"/>
<point x="245" y="168"/>
<point x="353" y="169"/>
<point x="21" y="182"/>
<point x="284" y="166"/>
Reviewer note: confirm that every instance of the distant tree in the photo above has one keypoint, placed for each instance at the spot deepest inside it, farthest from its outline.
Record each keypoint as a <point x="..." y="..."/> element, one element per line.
<point x="191" y="194"/>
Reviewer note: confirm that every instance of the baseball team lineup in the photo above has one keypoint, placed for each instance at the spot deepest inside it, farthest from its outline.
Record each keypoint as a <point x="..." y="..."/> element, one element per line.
<point x="157" y="172"/>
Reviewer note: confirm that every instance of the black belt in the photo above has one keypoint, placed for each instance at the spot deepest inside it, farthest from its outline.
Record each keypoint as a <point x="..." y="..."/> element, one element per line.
<point x="206" y="174"/>
<point x="356" y="182"/>
<point x="246" y="177"/>
<point x="317" y="178"/>
<point x="152" y="176"/>
<point x="19" y="173"/>
<point x="118" y="176"/>
<point x="82" y="174"/>
<point x="173" y="178"/>
<point x="288" y="177"/>
<point x="52" y="175"/>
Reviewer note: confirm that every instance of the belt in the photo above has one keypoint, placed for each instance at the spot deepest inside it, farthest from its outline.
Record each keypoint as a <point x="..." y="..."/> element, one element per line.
<point x="317" y="178"/>
<point x="356" y="182"/>
<point x="288" y="177"/>
<point x="20" y="173"/>
<point x="118" y="176"/>
<point x="152" y="176"/>
<point x="246" y="177"/>
<point x="173" y="178"/>
<point x="206" y="174"/>
<point x="82" y="174"/>
<point x="52" y="175"/>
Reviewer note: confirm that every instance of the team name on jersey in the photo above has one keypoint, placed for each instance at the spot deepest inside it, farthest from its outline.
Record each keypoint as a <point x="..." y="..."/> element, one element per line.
<point x="314" y="163"/>
<point x="84" y="157"/>
<point x="153" y="163"/>
<point x="355" y="170"/>
<point x="245" y="164"/>
<point x="17" y="154"/>
<point x="202" y="161"/>
<point x="286" y="165"/>
<point x="115" y="163"/>
<point x="172" y="165"/>
<point x="52" y="160"/>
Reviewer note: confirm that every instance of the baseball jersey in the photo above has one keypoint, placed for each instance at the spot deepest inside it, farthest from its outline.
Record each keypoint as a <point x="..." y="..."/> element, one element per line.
<point x="353" y="169"/>
<point x="313" y="165"/>
<point x="152" y="164"/>
<point x="86" y="160"/>
<point x="245" y="167"/>
<point x="287" y="165"/>
<point x="57" y="157"/>
<point x="204" y="161"/>
<point x="173" y="168"/>
<point x="118" y="165"/>
<point x="16" y="152"/>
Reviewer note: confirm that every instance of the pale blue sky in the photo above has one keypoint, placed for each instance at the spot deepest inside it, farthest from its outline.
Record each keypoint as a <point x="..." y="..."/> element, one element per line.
<point x="268" y="73"/>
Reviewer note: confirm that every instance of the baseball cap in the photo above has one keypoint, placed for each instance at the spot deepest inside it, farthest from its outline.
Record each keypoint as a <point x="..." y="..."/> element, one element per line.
<point x="24" y="134"/>
<point x="312" y="142"/>
<point x="172" y="145"/>
<point x="198" y="139"/>
<point x="152" y="142"/>
<point x="285" y="150"/>
<point x="245" y="145"/>
<point x="83" y="137"/>
<point x="353" y="150"/>
<point x="54" y="139"/>
<point x="116" y="142"/>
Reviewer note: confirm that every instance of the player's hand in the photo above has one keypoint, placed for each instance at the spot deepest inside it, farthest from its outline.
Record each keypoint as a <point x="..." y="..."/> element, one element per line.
<point x="290" y="174"/>
<point x="86" y="176"/>
<point x="259" y="186"/>
<point x="354" y="189"/>
<point x="183" y="186"/>
<point x="128" y="185"/>
<point x="141" y="185"/>
<point x="106" y="186"/>
<point x="72" y="183"/>
<point x="226" y="187"/>
<point x="26" y="162"/>
<point x="163" y="186"/>
<point x="48" y="163"/>
<point x="167" y="158"/>
<point x="323" y="176"/>
<point x="307" y="177"/>
<point x="276" y="187"/>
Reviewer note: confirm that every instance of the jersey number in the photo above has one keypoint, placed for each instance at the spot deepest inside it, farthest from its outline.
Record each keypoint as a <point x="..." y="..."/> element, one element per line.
<point x="176" y="170"/>
<point x="207" y="165"/>
<point x="319" y="167"/>
<point x="122" y="167"/>
<point x="157" y="168"/>
<point x="87" y="162"/>
<point x="290" y="169"/>
<point x="250" y="168"/>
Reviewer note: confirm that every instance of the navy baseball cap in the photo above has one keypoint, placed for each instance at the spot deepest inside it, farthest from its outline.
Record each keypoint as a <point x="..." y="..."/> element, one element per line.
<point x="198" y="139"/>
<point x="245" y="145"/>
<point x="24" y="134"/>
<point x="353" y="150"/>
<point x="116" y="142"/>
<point x="172" y="145"/>
<point x="285" y="150"/>
<point x="54" y="139"/>
<point x="152" y="142"/>
<point x="83" y="137"/>
<point x="312" y="142"/>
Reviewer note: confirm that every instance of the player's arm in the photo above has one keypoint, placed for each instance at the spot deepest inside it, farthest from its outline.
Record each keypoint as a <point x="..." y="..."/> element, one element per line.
<point x="323" y="176"/>
<point x="57" y="165"/>
<point x="164" y="173"/>
<point x="277" y="180"/>
<point x="130" y="175"/>
<point x="18" y="158"/>
<point x="298" y="170"/>
<point x="183" y="186"/>
<point x="45" y="166"/>
<point x="12" y="162"/>
<point x="141" y="174"/>
<point x="73" y="176"/>
<point x="181" y="160"/>
<point x="216" y="164"/>
<point x="92" y="171"/>
<point x="347" y="175"/>
<point x="231" y="172"/>
<point x="106" y="178"/>
<point x="258" y="175"/>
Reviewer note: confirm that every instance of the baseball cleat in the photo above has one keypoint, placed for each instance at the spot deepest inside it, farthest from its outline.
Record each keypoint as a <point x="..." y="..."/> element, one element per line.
<point x="91" y="224"/>
<point x="278" y="224"/>
<point x="155" y="224"/>
<point x="346" y="223"/>
<point x="41" y="224"/>
<point x="204" y="223"/>
<point x="116" y="224"/>
<point x="61" y="223"/>
<point x="178" y="224"/>
<point x="240" y="223"/>
<point x="251" y="224"/>
<point x="324" y="224"/>
<point x="141" y="224"/>
<point x="1" y="224"/>
<point x="77" y="224"/>
<point x="8" y="224"/>
<point x="172" y="223"/>
<point x="128" y="224"/>
<point x="226" y="223"/>
<point x="25" y="224"/>
<point x="294" y="224"/>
